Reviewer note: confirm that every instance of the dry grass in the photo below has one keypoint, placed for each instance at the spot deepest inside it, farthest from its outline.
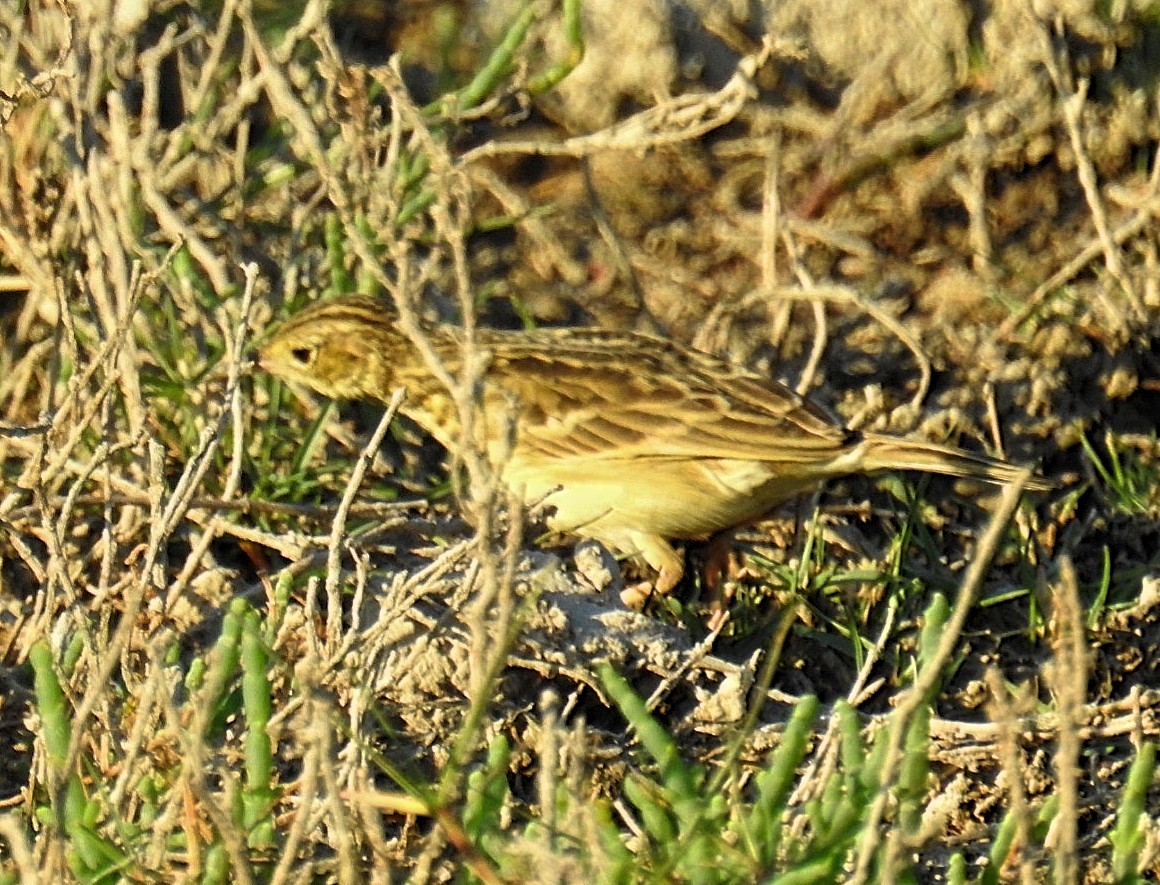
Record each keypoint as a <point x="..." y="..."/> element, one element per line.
<point x="265" y="646"/>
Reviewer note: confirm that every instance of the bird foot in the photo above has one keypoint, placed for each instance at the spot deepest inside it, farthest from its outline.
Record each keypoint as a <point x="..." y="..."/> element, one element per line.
<point x="634" y="596"/>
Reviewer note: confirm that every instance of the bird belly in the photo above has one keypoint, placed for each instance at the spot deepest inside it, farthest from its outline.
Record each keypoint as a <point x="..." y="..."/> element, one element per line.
<point x="672" y="497"/>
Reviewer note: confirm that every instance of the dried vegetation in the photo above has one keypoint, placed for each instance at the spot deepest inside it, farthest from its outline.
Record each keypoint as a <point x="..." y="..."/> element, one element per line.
<point x="256" y="658"/>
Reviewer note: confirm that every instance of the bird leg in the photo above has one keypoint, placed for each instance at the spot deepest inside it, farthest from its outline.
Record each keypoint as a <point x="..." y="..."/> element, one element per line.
<point x="716" y="557"/>
<point x="660" y="555"/>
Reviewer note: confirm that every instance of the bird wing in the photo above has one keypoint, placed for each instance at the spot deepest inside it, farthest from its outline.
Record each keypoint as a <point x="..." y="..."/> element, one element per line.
<point x="587" y="393"/>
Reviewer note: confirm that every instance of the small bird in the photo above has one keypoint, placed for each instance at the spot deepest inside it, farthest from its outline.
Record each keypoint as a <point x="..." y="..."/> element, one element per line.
<point x="632" y="439"/>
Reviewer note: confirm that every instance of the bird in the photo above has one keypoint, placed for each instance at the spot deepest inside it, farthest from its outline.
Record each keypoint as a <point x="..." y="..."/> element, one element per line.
<point x="628" y="438"/>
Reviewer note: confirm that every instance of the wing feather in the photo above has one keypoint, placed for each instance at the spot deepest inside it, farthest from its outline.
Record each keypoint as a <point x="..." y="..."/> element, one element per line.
<point x="601" y="395"/>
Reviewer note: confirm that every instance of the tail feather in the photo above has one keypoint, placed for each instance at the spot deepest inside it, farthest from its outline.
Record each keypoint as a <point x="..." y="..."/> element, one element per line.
<point x="883" y="452"/>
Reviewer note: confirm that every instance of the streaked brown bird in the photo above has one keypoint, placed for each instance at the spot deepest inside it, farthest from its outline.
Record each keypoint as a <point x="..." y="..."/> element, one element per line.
<point x="633" y="440"/>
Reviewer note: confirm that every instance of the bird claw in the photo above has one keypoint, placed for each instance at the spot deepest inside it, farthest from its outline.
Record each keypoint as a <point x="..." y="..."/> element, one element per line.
<point x="636" y="595"/>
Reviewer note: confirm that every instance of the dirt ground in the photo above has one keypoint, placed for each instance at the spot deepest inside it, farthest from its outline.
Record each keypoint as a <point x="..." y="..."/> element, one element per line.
<point x="936" y="218"/>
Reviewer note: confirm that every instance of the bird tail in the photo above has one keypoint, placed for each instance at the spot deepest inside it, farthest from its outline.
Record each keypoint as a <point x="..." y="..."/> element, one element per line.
<point x="883" y="452"/>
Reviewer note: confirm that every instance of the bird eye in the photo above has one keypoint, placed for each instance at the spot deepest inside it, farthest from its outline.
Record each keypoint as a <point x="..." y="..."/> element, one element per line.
<point x="302" y="354"/>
